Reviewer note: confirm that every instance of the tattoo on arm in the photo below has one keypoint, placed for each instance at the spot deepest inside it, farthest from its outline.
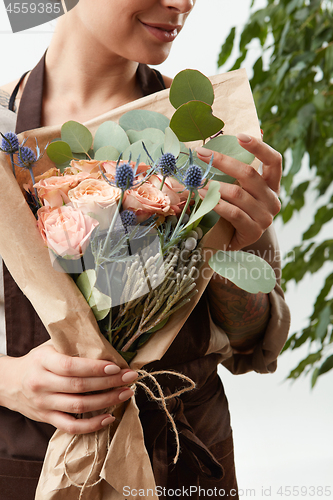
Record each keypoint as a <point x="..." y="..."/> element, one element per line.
<point x="4" y="99"/>
<point x="242" y="315"/>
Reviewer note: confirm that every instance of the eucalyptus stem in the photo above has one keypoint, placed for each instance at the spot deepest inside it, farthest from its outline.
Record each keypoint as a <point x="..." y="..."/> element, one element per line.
<point x="183" y="213"/>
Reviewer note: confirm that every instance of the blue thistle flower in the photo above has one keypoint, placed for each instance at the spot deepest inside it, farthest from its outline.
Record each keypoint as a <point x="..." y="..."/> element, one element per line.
<point x="9" y="143"/>
<point x="26" y="157"/>
<point x="167" y="164"/>
<point x="124" y="177"/>
<point x="193" y="178"/>
<point x="128" y="218"/>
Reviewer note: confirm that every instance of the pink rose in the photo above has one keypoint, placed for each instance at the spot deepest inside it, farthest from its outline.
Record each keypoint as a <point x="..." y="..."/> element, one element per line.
<point x="53" y="191"/>
<point x="97" y="197"/>
<point x="89" y="166"/>
<point x="167" y="189"/>
<point x="109" y="167"/>
<point x="52" y="172"/>
<point x="65" y="230"/>
<point x="147" y="200"/>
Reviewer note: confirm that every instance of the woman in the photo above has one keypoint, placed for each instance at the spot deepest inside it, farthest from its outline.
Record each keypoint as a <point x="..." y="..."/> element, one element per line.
<point x="91" y="67"/>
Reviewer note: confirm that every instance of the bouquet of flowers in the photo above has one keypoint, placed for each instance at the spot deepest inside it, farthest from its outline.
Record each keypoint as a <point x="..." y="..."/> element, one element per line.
<point x="122" y="218"/>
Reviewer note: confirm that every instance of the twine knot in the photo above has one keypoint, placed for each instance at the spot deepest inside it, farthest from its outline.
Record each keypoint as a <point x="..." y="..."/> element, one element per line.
<point x="161" y="398"/>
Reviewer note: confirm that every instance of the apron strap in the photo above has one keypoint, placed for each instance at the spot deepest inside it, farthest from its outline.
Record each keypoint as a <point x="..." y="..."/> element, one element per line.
<point x="30" y="109"/>
<point x="11" y="104"/>
<point x="150" y="80"/>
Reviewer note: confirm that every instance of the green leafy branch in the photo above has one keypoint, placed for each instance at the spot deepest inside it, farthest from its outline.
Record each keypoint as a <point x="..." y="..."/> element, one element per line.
<point x="294" y="98"/>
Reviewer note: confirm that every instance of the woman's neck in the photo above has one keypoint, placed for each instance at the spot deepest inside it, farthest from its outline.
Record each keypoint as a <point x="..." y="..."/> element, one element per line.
<point x="83" y="81"/>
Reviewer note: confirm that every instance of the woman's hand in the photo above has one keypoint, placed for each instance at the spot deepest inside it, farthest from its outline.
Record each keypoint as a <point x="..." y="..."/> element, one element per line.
<point x="47" y="386"/>
<point x="250" y="206"/>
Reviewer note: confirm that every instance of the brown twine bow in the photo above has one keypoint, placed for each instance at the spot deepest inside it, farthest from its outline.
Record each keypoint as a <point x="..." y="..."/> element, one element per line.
<point x="161" y="399"/>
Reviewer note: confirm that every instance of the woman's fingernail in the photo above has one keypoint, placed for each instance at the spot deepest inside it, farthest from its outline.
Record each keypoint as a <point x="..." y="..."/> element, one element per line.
<point x="204" y="152"/>
<point x="108" y="420"/>
<point x="244" y="137"/>
<point x="129" y="377"/>
<point x="111" y="369"/>
<point x="125" y="395"/>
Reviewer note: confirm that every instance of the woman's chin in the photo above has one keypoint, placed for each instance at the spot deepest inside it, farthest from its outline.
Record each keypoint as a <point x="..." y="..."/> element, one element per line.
<point x="154" y="57"/>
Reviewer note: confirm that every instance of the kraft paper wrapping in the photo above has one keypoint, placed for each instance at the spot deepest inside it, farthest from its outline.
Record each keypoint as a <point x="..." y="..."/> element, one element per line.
<point x="72" y="325"/>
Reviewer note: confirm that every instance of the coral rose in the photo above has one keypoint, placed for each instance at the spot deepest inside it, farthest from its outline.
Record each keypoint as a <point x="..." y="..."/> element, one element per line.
<point x="147" y="200"/>
<point x="176" y="199"/>
<point x="89" y="166"/>
<point x="96" y="197"/>
<point x="65" y="230"/>
<point x="52" y="172"/>
<point x="53" y="191"/>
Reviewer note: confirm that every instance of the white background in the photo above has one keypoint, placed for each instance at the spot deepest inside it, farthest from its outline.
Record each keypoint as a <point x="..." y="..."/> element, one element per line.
<point x="282" y="431"/>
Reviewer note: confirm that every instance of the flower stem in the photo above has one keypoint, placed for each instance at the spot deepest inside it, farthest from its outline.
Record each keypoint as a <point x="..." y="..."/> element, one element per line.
<point x="108" y="282"/>
<point x="33" y="183"/>
<point x="113" y="222"/>
<point x="13" y="164"/>
<point x="163" y="181"/>
<point x="183" y="213"/>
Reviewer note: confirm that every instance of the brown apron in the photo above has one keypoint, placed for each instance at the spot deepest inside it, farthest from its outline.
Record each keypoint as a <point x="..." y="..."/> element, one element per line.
<point x="201" y="416"/>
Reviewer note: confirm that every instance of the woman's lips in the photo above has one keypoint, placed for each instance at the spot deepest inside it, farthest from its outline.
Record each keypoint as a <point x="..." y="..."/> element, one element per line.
<point x="163" y="33"/>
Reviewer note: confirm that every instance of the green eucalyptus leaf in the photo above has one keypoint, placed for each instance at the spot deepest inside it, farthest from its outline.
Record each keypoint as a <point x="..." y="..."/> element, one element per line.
<point x="154" y="135"/>
<point x="191" y="85"/>
<point x="62" y="166"/>
<point x="228" y="145"/>
<point x="195" y="121"/>
<point x="142" y="339"/>
<point x="208" y="203"/>
<point x="156" y="151"/>
<point x="139" y="119"/>
<point x="128" y="356"/>
<point x="159" y="326"/>
<point x="86" y="282"/>
<point x="59" y="152"/>
<point x="100" y="304"/>
<point x="221" y="177"/>
<point x="111" y="134"/>
<point x="80" y="156"/>
<point x="171" y="142"/>
<point x="184" y="157"/>
<point x="136" y="150"/>
<point x="77" y="136"/>
<point x="209" y="220"/>
<point x="107" y="153"/>
<point x="246" y="270"/>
